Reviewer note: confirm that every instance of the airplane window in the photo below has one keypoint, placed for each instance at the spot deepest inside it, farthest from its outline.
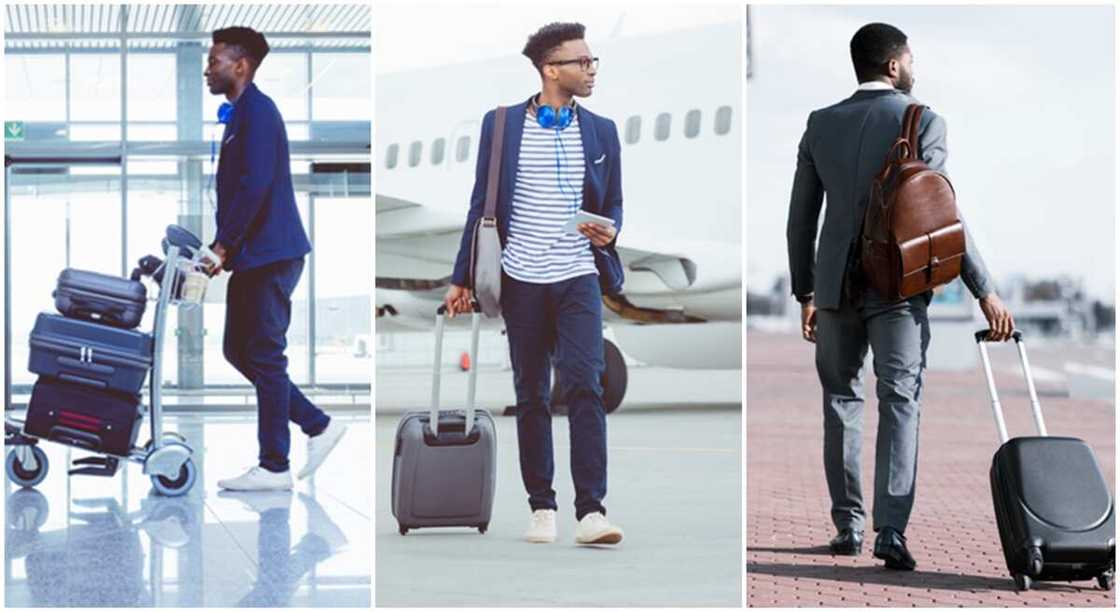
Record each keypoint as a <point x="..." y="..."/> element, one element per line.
<point x="662" y="125"/>
<point x="633" y="129"/>
<point x="391" y="156"/>
<point x="723" y="120"/>
<point x="463" y="148"/>
<point x="692" y="123"/>
<point x="414" y="153"/>
<point x="437" y="151"/>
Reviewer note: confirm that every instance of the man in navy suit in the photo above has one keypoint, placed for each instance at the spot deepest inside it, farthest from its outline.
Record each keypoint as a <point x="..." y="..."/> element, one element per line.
<point x="261" y="240"/>
<point x="557" y="158"/>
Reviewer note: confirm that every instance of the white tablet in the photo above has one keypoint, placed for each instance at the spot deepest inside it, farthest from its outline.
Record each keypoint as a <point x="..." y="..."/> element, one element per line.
<point x="572" y="226"/>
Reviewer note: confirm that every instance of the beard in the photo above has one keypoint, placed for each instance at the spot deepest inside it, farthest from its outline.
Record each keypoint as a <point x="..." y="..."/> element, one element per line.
<point x="905" y="82"/>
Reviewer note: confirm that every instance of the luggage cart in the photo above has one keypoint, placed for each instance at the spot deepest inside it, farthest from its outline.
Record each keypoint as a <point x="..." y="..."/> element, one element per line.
<point x="166" y="457"/>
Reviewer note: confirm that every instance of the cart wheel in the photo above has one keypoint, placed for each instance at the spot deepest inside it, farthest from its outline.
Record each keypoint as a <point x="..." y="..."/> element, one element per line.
<point x="1022" y="582"/>
<point x="402" y="529"/>
<point x="1106" y="581"/>
<point x="483" y="527"/>
<point x="24" y="477"/>
<point x="178" y="486"/>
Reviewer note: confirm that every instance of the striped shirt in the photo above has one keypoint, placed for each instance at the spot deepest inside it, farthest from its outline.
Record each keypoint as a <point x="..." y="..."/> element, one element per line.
<point x="547" y="192"/>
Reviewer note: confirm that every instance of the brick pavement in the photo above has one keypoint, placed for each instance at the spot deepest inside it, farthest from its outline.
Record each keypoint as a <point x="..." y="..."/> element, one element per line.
<point x="952" y="533"/>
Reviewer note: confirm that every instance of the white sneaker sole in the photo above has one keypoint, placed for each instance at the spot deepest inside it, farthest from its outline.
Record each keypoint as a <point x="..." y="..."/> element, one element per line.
<point x="610" y="536"/>
<point x="532" y="539"/>
<point x="310" y="468"/>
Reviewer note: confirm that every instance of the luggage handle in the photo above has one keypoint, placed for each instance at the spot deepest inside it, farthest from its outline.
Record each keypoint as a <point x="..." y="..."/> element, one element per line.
<point x="73" y="437"/>
<point x="81" y="380"/>
<point x="997" y="409"/>
<point x="472" y="376"/>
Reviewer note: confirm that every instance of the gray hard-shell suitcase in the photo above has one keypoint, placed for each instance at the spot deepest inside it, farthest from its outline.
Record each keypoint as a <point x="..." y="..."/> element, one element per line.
<point x="112" y="300"/>
<point x="444" y="460"/>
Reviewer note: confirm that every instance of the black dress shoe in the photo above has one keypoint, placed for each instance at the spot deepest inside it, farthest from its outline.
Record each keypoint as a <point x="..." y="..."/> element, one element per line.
<point x="848" y="542"/>
<point x="890" y="546"/>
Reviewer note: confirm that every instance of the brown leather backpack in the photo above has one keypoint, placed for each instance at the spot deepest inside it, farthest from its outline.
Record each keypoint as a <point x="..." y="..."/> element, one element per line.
<point x="913" y="238"/>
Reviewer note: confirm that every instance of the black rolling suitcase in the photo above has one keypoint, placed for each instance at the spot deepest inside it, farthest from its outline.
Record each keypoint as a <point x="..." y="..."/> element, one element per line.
<point x="91" y="354"/>
<point x="77" y="415"/>
<point x="1052" y="504"/>
<point x="93" y="296"/>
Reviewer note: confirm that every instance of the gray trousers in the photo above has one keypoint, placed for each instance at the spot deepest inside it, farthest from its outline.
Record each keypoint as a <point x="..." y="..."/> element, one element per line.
<point x="898" y="335"/>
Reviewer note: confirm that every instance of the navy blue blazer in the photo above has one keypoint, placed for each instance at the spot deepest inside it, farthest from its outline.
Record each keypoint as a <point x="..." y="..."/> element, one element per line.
<point x="602" y="187"/>
<point x="258" y="222"/>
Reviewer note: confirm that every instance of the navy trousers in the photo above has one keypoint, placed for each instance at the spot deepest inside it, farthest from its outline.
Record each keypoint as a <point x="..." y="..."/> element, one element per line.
<point x="558" y="324"/>
<point x="258" y="311"/>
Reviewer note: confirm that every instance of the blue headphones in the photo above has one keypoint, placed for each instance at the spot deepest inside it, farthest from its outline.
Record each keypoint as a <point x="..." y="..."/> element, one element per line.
<point x="549" y="118"/>
<point x="225" y="112"/>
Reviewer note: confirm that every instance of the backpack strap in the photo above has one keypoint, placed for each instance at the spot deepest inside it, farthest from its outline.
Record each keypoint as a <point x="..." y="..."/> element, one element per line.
<point x="911" y="121"/>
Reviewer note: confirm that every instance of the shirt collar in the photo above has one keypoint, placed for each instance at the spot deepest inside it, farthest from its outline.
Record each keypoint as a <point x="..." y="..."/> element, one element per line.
<point x="874" y="86"/>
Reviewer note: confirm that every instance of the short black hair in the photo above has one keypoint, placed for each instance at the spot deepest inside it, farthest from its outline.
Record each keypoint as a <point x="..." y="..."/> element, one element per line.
<point x="546" y="39"/>
<point x="247" y="41"/>
<point x="874" y="45"/>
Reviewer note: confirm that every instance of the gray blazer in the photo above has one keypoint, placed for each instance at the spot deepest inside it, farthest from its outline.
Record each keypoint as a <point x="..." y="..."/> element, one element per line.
<point x="841" y="151"/>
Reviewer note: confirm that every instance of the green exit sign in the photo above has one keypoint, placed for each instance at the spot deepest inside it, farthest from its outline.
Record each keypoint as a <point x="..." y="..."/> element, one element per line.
<point x="13" y="130"/>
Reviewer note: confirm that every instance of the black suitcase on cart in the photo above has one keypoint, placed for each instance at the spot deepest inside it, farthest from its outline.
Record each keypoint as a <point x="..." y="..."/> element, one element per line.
<point x="78" y="415"/>
<point x="1052" y="504"/>
<point x="90" y="354"/>
<point x="93" y="296"/>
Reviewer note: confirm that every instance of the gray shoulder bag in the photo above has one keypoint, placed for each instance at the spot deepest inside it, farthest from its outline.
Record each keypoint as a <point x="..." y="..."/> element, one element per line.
<point x="486" y="246"/>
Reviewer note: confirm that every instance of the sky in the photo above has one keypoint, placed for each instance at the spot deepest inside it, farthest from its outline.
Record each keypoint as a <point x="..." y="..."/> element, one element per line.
<point x="1028" y="95"/>
<point x="411" y="36"/>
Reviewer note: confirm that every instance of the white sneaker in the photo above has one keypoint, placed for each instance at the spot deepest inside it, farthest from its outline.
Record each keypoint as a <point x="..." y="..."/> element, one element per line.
<point x="259" y="479"/>
<point x="318" y="447"/>
<point x="595" y="529"/>
<point x="542" y="527"/>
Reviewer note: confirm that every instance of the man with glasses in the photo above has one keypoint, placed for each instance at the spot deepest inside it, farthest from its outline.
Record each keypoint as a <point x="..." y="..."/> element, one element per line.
<point x="557" y="158"/>
<point x="261" y="240"/>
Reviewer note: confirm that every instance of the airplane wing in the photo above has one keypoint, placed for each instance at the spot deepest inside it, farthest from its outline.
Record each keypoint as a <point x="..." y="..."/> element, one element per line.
<point x="416" y="249"/>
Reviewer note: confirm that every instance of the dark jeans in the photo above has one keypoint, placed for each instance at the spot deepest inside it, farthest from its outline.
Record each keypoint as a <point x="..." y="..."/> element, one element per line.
<point x="258" y="311"/>
<point x="558" y="324"/>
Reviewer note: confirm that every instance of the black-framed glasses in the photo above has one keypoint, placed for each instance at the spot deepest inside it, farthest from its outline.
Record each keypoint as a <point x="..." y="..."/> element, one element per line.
<point x="584" y="62"/>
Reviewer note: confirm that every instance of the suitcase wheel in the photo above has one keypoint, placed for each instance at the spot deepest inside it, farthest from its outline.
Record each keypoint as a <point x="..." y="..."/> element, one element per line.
<point x="1034" y="561"/>
<point x="1106" y="581"/>
<point x="25" y="477"/>
<point x="483" y="527"/>
<point x="401" y="529"/>
<point x="1022" y="582"/>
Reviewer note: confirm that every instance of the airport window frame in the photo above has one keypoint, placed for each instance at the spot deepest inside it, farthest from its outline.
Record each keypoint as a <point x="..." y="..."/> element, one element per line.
<point x="692" y="123"/>
<point x="662" y="127"/>
<point x="166" y="140"/>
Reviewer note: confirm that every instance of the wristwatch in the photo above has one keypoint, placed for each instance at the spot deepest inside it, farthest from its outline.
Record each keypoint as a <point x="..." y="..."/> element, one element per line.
<point x="804" y="299"/>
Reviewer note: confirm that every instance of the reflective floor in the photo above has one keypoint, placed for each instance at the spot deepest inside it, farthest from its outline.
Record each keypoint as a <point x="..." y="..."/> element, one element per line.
<point x="112" y="542"/>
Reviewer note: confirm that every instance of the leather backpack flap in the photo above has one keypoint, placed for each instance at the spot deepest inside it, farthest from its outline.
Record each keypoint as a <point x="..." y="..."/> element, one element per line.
<point x="931" y="259"/>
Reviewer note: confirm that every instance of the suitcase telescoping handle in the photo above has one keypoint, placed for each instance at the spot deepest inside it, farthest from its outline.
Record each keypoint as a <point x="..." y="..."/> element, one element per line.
<point x="472" y="376"/>
<point x="997" y="408"/>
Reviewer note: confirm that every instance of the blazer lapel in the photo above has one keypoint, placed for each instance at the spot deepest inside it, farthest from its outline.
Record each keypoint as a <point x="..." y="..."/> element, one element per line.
<point x="592" y="183"/>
